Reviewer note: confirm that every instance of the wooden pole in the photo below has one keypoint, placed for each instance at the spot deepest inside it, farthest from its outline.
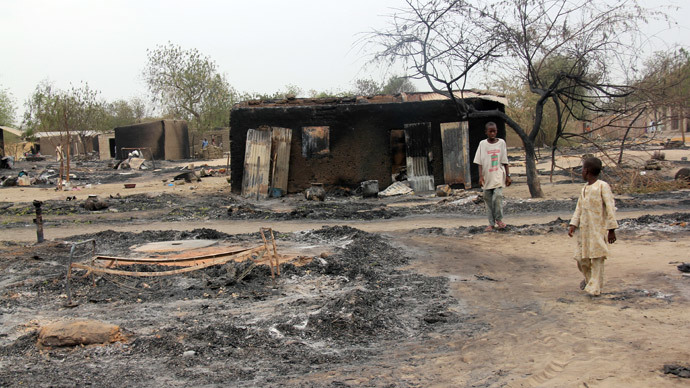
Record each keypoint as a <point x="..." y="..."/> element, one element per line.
<point x="39" y="221"/>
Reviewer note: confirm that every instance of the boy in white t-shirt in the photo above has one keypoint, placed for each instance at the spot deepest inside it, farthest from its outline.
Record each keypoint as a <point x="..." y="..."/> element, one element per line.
<point x="494" y="175"/>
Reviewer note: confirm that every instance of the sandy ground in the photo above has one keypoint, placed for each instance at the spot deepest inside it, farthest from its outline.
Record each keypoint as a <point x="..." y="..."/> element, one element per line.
<point x="547" y="333"/>
<point x="542" y="331"/>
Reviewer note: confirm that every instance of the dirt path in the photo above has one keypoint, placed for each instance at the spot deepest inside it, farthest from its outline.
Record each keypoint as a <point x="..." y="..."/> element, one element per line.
<point x="541" y="330"/>
<point x="28" y="234"/>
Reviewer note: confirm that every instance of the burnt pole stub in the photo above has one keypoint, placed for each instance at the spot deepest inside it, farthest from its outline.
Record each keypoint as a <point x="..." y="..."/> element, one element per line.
<point x="39" y="221"/>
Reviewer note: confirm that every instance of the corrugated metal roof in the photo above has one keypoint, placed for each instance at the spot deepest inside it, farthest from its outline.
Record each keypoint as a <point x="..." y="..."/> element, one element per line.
<point x="13" y="131"/>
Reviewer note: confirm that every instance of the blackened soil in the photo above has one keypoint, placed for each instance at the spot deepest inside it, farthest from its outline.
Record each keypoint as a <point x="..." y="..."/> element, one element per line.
<point x="223" y="205"/>
<point x="665" y="223"/>
<point x="357" y="209"/>
<point x="207" y="328"/>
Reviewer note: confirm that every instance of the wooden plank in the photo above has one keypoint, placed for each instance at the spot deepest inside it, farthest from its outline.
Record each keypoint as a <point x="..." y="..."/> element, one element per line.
<point x="466" y="157"/>
<point x="171" y="260"/>
<point x="161" y="273"/>
<point x="453" y="161"/>
<point x="257" y="159"/>
<point x="282" y="138"/>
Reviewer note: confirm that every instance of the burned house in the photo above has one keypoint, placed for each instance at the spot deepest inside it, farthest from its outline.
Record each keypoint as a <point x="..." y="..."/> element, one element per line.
<point x="106" y="145"/>
<point x="160" y="140"/>
<point x="79" y="142"/>
<point x="290" y="144"/>
<point x="9" y="135"/>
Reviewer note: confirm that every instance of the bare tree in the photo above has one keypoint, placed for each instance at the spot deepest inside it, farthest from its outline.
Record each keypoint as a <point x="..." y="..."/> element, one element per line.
<point x="67" y="113"/>
<point x="444" y="41"/>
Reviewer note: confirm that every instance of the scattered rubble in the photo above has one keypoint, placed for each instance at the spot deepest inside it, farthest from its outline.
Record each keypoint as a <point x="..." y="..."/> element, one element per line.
<point x="79" y="332"/>
<point x="683" y="173"/>
<point x="93" y="203"/>
<point x="336" y="310"/>
<point x="397" y="188"/>
<point x="678" y="370"/>
<point x="315" y="193"/>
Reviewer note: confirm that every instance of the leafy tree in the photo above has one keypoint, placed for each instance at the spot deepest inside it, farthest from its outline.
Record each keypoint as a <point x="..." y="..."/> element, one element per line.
<point x="123" y="112"/>
<point x="394" y="85"/>
<point x="188" y="86"/>
<point x="290" y="91"/>
<point x="665" y="84"/>
<point x="326" y="93"/>
<point x="366" y="87"/>
<point x="443" y="41"/>
<point x="7" y="108"/>
<point x="397" y="85"/>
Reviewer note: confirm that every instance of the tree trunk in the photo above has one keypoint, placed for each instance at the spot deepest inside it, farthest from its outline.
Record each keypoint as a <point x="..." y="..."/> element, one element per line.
<point x="627" y="131"/>
<point x="531" y="169"/>
<point x="68" y="156"/>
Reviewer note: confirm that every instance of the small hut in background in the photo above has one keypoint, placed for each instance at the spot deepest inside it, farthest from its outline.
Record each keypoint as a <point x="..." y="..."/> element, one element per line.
<point x="160" y="139"/>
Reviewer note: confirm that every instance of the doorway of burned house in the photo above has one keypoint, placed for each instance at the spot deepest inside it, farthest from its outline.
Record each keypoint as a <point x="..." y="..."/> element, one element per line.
<point x="398" y="155"/>
<point x="417" y="154"/>
<point x="111" y="148"/>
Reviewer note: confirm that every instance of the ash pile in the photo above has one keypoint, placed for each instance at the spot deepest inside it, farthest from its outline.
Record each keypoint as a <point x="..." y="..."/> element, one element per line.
<point x="207" y="327"/>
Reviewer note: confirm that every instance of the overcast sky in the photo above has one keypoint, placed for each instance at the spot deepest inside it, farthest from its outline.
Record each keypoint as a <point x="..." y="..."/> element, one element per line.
<point x="261" y="45"/>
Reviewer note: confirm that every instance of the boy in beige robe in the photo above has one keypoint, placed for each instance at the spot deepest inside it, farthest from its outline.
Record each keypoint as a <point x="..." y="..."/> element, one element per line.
<point x="595" y="220"/>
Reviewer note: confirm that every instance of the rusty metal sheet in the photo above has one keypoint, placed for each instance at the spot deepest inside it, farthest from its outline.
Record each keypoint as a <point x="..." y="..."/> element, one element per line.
<point x="282" y="137"/>
<point x="455" y="143"/>
<point x="257" y="159"/>
<point x="466" y="158"/>
<point x="315" y="141"/>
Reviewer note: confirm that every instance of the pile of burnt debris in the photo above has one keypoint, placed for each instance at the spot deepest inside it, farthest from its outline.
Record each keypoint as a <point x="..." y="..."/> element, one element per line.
<point x="223" y="205"/>
<point x="206" y="327"/>
<point x="89" y="173"/>
<point x="661" y="224"/>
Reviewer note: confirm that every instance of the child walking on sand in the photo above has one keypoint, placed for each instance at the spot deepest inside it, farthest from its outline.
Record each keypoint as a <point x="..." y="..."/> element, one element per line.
<point x="596" y="220"/>
<point x="494" y="175"/>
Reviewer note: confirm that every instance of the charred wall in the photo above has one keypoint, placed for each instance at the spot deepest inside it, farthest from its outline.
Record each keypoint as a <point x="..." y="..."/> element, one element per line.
<point x="176" y="139"/>
<point x="48" y="144"/>
<point x="359" y="138"/>
<point x="166" y="139"/>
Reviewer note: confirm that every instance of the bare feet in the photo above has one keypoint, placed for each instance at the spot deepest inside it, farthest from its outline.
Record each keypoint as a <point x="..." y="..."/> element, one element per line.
<point x="501" y="224"/>
<point x="489" y="229"/>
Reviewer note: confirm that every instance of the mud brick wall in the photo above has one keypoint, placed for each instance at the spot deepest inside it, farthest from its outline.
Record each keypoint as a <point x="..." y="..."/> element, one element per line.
<point x="359" y="138"/>
<point x="212" y="152"/>
<point x="176" y="139"/>
<point x="222" y="136"/>
<point x="104" y="151"/>
<point x="47" y="144"/>
<point x="167" y="139"/>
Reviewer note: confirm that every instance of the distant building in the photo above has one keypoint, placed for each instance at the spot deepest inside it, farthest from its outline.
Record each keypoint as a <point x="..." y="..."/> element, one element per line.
<point x="80" y="143"/>
<point x="6" y="133"/>
<point x="160" y="139"/>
